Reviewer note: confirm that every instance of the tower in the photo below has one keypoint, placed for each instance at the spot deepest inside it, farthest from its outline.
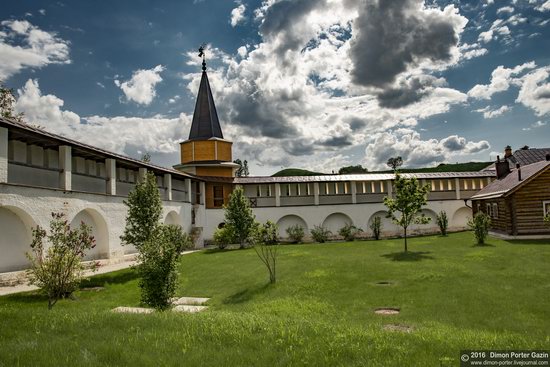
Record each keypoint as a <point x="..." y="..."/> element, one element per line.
<point x="206" y="152"/>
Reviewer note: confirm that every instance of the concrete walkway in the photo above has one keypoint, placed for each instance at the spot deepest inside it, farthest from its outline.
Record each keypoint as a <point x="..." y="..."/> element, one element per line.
<point x="107" y="268"/>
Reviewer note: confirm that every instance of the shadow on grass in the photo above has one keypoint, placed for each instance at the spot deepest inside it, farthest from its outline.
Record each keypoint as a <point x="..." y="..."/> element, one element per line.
<point x="30" y="297"/>
<point x="117" y="277"/>
<point x="484" y="245"/>
<point x="409" y="256"/>
<point x="529" y="242"/>
<point x="245" y="295"/>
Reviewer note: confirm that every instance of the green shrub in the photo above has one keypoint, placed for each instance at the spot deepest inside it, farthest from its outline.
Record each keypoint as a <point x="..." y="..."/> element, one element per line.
<point x="57" y="269"/>
<point x="320" y="234"/>
<point x="480" y="224"/>
<point x="158" y="259"/>
<point x="266" y="247"/>
<point x="224" y="236"/>
<point x="442" y="222"/>
<point x="349" y="232"/>
<point x="376" y="227"/>
<point x="547" y="218"/>
<point x="239" y="216"/>
<point x="295" y="233"/>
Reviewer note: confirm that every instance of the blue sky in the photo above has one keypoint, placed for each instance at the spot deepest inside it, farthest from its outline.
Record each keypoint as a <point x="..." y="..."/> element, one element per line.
<point x="316" y="84"/>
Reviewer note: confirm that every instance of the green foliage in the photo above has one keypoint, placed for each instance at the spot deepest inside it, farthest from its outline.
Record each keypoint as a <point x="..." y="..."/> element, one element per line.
<point x="266" y="247"/>
<point x="144" y="211"/>
<point x="56" y="258"/>
<point x="295" y="233"/>
<point x="404" y="209"/>
<point x="480" y="224"/>
<point x="242" y="171"/>
<point x="352" y="169"/>
<point x="320" y="234"/>
<point x="442" y="222"/>
<point x="224" y="236"/>
<point x="547" y="218"/>
<point x="376" y="227"/>
<point x="395" y="163"/>
<point x="295" y="172"/>
<point x="158" y="260"/>
<point x="349" y="232"/>
<point x="7" y="104"/>
<point x="239" y="216"/>
<point x="146" y="157"/>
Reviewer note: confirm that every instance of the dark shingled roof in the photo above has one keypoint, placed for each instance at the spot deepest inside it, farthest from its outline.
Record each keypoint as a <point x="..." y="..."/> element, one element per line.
<point x="205" y="123"/>
<point x="510" y="182"/>
<point x="525" y="157"/>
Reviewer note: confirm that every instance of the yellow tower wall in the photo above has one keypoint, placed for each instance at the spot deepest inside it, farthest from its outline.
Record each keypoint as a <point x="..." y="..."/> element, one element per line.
<point x="206" y="150"/>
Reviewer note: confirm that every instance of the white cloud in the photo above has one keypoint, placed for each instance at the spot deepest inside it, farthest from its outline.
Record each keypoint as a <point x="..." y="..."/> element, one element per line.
<point x="42" y="11"/>
<point x="237" y="15"/>
<point x="141" y="87"/>
<point x="119" y="134"/>
<point x="535" y="125"/>
<point x="501" y="78"/>
<point x="469" y="51"/>
<point x="505" y="9"/>
<point x="544" y="6"/>
<point x="535" y="91"/>
<point x="489" y="113"/>
<point x="23" y="45"/>
<point x="174" y="99"/>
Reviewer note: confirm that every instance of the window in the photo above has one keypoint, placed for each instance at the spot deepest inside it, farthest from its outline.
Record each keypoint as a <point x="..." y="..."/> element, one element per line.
<point x="495" y="210"/>
<point x="546" y="208"/>
<point x="258" y="190"/>
<point x="218" y="196"/>
<point x="489" y="210"/>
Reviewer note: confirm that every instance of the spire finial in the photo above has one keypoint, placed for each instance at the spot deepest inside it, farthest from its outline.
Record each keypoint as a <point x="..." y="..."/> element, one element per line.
<point x="202" y="53"/>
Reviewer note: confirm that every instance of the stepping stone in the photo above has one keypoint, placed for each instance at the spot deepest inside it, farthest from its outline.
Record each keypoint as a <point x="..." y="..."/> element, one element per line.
<point x="189" y="309"/>
<point x="386" y="311"/>
<point x="194" y="301"/>
<point x="397" y="327"/>
<point x="132" y="310"/>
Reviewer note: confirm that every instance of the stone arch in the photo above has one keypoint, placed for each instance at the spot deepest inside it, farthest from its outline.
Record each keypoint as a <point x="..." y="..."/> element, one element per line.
<point x="96" y="220"/>
<point x="15" y="227"/>
<point x="290" y="220"/>
<point x="460" y="217"/>
<point x="335" y="221"/>
<point x="173" y="218"/>
<point x="388" y="226"/>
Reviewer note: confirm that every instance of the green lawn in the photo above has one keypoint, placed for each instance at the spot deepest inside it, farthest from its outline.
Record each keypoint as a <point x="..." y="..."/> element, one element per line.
<point x="320" y="313"/>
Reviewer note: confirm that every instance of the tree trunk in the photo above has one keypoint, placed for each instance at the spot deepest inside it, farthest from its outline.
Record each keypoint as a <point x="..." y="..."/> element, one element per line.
<point x="405" y="232"/>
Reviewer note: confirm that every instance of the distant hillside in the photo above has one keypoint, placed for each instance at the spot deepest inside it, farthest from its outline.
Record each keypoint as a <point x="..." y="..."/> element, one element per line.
<point x="295" y="172"/>
<point x="443" y="167"/>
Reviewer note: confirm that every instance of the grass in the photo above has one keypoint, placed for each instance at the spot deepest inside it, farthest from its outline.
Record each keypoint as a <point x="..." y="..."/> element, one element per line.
<point x="319" y="313"/>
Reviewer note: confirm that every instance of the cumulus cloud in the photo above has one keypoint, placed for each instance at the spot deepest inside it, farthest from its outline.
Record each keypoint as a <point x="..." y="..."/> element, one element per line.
<point x="535" y="125"/>
<point x="417" y="152"/>
<point x="501" y="79"/>
<point x="505" y="9"/>
<point x="394" y="36"/>
<point x="535" y="91"/>
<point x="120" y="134"/>
<point x="490" y="113"/>
<point x="237" y="15"/>
<point x="469" y="51"/>
<point x="544" y="6"/>
<point x="23" y="45"/>
<point x="141" y="87"/>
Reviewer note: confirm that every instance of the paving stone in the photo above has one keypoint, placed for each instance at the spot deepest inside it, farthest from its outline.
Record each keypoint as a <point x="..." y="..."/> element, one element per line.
<point x="133" y="310"/>
<point x="386" y="311"/>
<point x="194" y="301"/>
<point x="189" y="309"/>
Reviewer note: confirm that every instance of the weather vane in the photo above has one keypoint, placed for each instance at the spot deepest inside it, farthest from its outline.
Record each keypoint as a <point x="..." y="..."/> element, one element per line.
<point x="202" y="54"/>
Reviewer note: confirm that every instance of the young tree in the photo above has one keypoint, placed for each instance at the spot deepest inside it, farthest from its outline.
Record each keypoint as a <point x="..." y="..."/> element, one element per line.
<point x="57" y="268"/>
<point x="7" y="104"/>
<point x="442" y="222"/>
<point x="239" y="216"/>
<point x="376" y="227"/>
<point x="404" y="209"/>
<point x="395" y="163"/>
<point x="146" y="157"/>
<point x="144" y="211"/>
<point x="242" y="171"/>
<point x="480" y="224"/>
<point x="266" y="247"/>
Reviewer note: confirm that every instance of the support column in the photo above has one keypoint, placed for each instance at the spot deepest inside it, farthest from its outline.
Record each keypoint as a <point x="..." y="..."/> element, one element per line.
<point x="457" y="188"/>
<point x="277" y="194"/>
<point x="389" y="185"/>
<point x="188" y="189"/>
<point x="110" y="172"/>
<point x="353" y="185"/>
<point x="3" y="155"/>
<point x="65" y="165"/>
<point x="141" y="174"/>
<point x="168" y="186"/>
<point x="316" y="192"/>
<point x="203" y="192"/>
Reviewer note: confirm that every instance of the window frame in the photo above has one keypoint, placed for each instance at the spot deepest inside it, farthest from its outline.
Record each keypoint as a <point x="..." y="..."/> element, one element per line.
<point x="216" y="199"/>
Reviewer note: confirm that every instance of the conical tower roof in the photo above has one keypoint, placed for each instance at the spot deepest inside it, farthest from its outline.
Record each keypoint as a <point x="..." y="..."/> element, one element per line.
<point x="205" y="118"/>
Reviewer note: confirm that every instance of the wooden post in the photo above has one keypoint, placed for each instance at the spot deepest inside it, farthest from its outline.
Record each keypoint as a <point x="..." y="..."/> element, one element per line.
<point x="168" y="186"/>
<point x="110" y="172"/>
<point x="277" y="194"/>
<point x="353" y="192"/>
<point x="457" y="188"/>
<point x="65" y="165"/>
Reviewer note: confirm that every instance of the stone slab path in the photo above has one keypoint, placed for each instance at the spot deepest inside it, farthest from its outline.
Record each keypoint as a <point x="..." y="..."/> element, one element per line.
<point x="182" y="304"/>
<point x="189" y="309"/>
<point x="132" y="310"/>
<point x="197" y="301"/>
